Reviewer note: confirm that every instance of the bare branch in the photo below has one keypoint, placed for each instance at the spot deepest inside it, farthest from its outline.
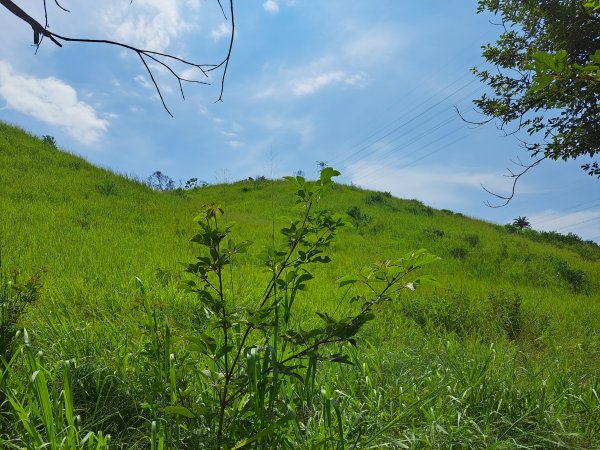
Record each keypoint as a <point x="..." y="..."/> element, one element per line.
<point x="515" y="177"/>
<point x="469" y="121"/>
<point x="60" y="6"/>
<point x="226" y="60"/>
<point x="163" y="59"/>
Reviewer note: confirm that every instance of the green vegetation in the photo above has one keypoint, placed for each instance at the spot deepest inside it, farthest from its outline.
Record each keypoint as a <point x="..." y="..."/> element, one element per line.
<point x="546" y="76"/>
<point x="503" y="354"/>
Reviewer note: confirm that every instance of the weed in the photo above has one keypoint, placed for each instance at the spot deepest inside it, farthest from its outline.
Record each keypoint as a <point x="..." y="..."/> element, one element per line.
<point x="256" y="360"/>
<point x="472" y="239"/>
<point x="14" y="297"/>
<point x="44" y="415"/>
<point x="574" y="278"/>
<point x="357" y="216"/>
<point x="378" y="198"/>
<point x="434" y="232"/>
<point x="417" y="207"/>
<point x="507" y="309"/>
<point x="107" y="188"/>
<point x="443" y="313"/>
<point x="459" y="252"/>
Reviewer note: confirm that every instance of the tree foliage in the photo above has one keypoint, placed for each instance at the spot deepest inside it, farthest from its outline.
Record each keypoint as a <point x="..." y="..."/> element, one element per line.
<point x="545" y="78"/>
<point x="521" y="222"/>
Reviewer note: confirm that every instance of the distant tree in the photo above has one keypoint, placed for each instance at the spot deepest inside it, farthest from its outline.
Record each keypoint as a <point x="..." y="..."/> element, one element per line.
<point x="545" y="78"/>
<point x="165" y="61"/>
<point x="191" y="183"/>
<point x="521" y="223"/>
<point x="47" y="139"/>
<point x="161" y="182"/>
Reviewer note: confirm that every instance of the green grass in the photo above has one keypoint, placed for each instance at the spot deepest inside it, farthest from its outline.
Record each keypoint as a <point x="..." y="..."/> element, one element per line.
<point x="504" y="356"/>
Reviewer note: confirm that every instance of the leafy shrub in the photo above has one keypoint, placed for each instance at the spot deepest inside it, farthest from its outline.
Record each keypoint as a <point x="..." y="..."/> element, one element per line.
<point x="443" y="313"/>
<point x="358" y="217"/>
<point x="14" y="297"/>
<point x="107" y="188"/>
<point x="378" y="198"/>
<point x="255" y="183"/>
<point x="574" y="278"/>
<point x="49" y="140"/>
<point x="417" y="207"/>
<point x="252" y="369"/>
<point x="507" y="309"/>
<point x="459" y="252"/>
<point x="587" y="249"/>
<point x="434" y="232"/>
<point x="471" y="239"/>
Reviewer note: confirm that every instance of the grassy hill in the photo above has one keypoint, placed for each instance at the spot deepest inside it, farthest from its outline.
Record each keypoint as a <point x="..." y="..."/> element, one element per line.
<point x="503" y="354"/>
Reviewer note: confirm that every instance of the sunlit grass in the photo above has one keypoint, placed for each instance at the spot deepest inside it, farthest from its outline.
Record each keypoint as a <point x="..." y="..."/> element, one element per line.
<point x="438" y="368"/>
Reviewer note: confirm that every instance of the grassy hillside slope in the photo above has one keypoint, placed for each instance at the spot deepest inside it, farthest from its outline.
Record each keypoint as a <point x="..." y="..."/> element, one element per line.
<point x="506" y="353"/>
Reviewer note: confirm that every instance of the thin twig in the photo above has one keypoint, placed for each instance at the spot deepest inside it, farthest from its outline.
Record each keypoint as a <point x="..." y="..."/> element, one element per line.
<point x="515" y="177"/>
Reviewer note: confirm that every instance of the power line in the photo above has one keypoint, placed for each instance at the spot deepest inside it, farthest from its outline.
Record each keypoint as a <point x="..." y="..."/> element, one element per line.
<point x="403" y="124"/>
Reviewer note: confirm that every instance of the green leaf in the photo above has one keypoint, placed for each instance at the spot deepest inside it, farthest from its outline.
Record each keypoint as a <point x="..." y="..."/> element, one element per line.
<point x="348" y="279"/>
<point x="179" y="411"/>
<point x="328" y="173"/>
<point x="224" y="349"/>
<point x="427" y="280"/>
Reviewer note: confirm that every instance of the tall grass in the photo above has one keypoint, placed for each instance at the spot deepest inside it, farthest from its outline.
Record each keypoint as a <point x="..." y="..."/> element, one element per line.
<point x="504" y="355"/>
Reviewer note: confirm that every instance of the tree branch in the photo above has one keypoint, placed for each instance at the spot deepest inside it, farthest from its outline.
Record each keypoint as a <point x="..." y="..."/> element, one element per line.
<point x="515" y="177"/>
<point x="164" y="59"/>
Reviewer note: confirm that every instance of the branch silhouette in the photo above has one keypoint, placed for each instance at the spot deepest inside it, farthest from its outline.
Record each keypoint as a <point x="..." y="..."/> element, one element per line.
<point x="165" y="60"/>
<point x="515" y="176"/>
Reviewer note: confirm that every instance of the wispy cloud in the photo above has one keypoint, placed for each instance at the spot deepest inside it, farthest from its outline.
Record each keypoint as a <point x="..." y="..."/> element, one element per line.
<point x="309" y="80"/>
<point x="223" y="30"/>
<point x="52" y="101"/>
<point x="302" y="127"/>
<point x="347" y="62"/>
<point x="442" y="187"/>
<point x="584" y="223"/>
<point x="152" y="24"/>
<point x="271" y="6"/>
<point x="314" y="83"/>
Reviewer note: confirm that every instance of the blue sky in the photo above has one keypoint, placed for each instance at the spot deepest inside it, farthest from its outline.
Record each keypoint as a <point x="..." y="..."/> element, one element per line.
<point x="368" y="87"/>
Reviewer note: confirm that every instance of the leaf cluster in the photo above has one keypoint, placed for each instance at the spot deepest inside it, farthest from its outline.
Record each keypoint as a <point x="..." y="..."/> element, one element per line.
<point x="256" y="363"/>
<point x="545" y="78"/>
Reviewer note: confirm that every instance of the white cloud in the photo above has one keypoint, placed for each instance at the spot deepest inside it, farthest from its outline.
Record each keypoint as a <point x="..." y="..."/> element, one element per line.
<point x="584" y="223"/>
<point x="141" y="79"/>
<point x="151" y="25"/>
<point x="303" y="127"/>
<point x="223" y="30"/>
<point x="350" y="61"/>
<point x="271" y="6"/>
<point x="315" y="83"/>
<point x="376" y="46"/>
<point x="442" y="187"/>
<point x="52" y="101"/>
<point x="235" y="143"/>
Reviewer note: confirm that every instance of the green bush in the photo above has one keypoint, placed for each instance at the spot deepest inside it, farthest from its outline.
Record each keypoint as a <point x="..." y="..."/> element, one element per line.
<point x="507" y="310"/>
<point x="459" y="252"/>
<point x="357" y="216"/>
<point x="472" y="239"/>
